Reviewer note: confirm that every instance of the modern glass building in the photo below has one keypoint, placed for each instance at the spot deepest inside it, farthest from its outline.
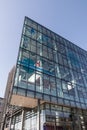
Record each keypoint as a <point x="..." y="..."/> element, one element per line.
<point x="50" y="79"/>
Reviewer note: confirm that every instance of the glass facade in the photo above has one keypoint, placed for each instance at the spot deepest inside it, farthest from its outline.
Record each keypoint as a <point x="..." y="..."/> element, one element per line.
<point x="50" y="67"/>
<point x="52" y="117"/>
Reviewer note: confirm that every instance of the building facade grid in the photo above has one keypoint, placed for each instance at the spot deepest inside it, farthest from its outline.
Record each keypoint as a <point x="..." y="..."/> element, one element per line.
<point x="50" y="67"/>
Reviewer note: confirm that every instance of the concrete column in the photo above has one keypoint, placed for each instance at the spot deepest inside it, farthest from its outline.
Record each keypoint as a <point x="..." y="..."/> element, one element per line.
<point x="11" y="118"/>
<point x="79" y="123"/>
<point x="55" y="123"/>
<point x="10" y="122"/>
<point x="22" y="119"/>
<point x="38" y="114"/>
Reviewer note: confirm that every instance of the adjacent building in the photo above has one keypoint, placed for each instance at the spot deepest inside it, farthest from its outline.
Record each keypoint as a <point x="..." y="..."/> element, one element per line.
<point x="1" y="109"/>
<point x="50" y="82"/>
<point x="7" y="108"/>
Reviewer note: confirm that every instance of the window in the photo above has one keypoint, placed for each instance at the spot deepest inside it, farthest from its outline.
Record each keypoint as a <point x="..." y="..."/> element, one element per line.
<point x="39" y="82"/>
<point x="46" y="84"/>
<point x="30" y="32"/>
<point x="52" y="86"/>
<point x="25" y="42"/>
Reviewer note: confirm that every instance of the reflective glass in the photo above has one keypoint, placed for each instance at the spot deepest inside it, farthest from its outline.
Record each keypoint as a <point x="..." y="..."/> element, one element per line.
<point x="50" y="65"/>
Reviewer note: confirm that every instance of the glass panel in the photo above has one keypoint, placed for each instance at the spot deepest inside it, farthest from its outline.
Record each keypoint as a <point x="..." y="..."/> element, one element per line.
<point x="39" y="37"/>
<point x="22" y="79"/>
<point x="30" y="94"/>
<point x="47" y="97"/>
<point x="28" y="22"/>
<point x="14" y="90"/>
<point x="21" y="92"/>
<point x="50" y="54"/>
<point x="54" y="99"/>
<point x="33" y="46"/>
<point x="44" y="52"/>
<point x="46" y="84"/>
<point x="31" y="32"/>
<point x="39" y="28"/>
<point x="51" y="68"/>
<point x="39" y="49"/>
<point x="39" y="95"/>
<point x="60" y="101"/>
<point x="24" y="58"/>
<point x="31" y="79"/>
<point x="16" y="76"/>
<point x="52" y="86"/>
<point x="39" y="82"/>
<point x="25" y="42"/>
<point x="45" y="65"/>
<point x="59" y="88"/>
<point x="57" y="71"/>
<point x="45" y="39"/>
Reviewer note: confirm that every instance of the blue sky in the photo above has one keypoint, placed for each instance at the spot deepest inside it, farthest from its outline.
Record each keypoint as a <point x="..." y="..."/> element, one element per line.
<point x="68" y="18"/>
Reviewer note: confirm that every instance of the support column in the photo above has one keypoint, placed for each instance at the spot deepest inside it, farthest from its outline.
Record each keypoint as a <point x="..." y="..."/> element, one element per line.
<point x="11" y="118"/>
<point x="38" y="114"/>
<point x="79" y="123"/>
<point x="10" y="122"/>
<point x="55" y="124"/>
<point x="22" y="119"/>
